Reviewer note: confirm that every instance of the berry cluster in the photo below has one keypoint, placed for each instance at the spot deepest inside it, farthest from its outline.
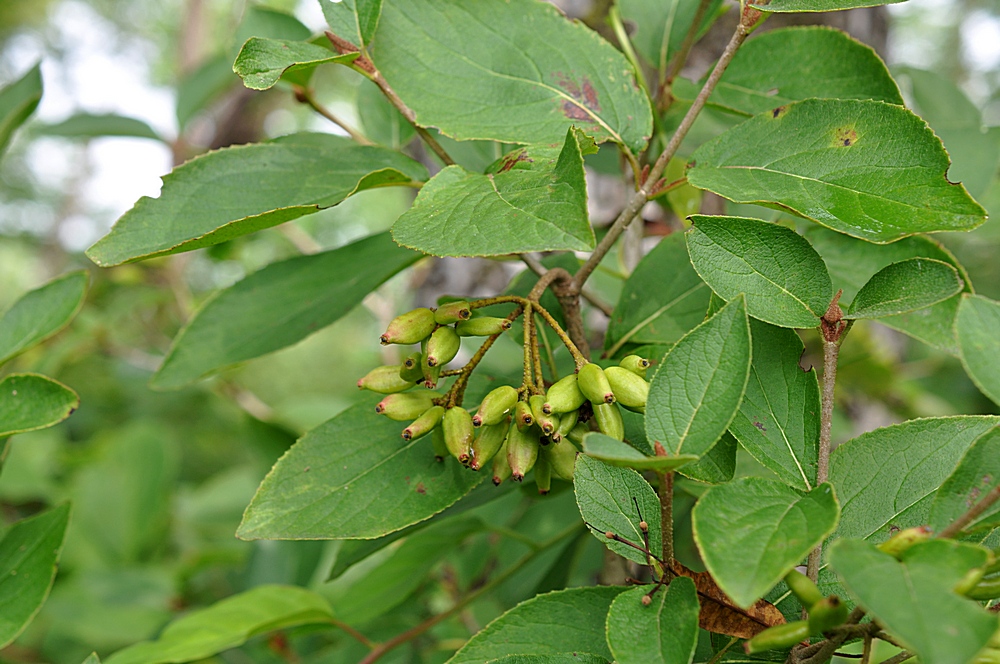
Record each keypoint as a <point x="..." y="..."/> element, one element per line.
<point x="516" y="429"/>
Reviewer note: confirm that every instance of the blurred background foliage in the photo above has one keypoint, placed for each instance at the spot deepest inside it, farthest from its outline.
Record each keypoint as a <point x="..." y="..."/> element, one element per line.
<point x="159" y="480"/>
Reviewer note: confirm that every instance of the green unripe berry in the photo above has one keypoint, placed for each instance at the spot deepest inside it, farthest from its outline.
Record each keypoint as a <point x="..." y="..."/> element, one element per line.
<point x="483" y="326"/>
<point x="385" y="380"/>
<point x="594" y="384"/>
<point x="803" y="588"/>
<point x="577" y="433"/>
<point x="630" y="390"/>
<point x="826" y="614"/>
<point x="458" y="434"/>
<point x="546" y="422"/>
<point x="562" y="458"/>
<point x="566" y="423"/>
<point x="495" y="406"/>
<point x="501" y="467"/>
<point x="779" y="636"/>
<point x="969" y="581"/>
<point x="407" y="406"/>
<point x="437" y="440"/>
<point x="424" y="424"/>
<point x="409" y="328"/>
<point x="564" y="396"/>
<point x="488" y="441"/>
<point x="522" y="451"/>
<point x="442" y="347"/>
<point x="635" y="364"/>
<point x="522" y="415"/>
<point x="609" y="420"/>
<point x="410" y="368"/>
<point x="987" y="656"/>
<point x="985" y="589"/>
<point x="543" y="475"/>
<point x="430" y="373"/>
<point x="452" y="312"/>
<point x="904" y="539"/>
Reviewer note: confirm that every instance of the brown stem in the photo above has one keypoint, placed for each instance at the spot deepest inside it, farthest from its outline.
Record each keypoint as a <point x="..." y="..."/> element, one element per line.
<point x="956" y="526"/>
<point x="355" y="634"/>
<point x="866" y="653"/>
<point x="578" y="357"/>
<point x="640" y="197"/>
<point x="305" y="96"/>
<point x="536" y="353"/>
<point x="457" y="392"/>
<point x="529" y="330"/>
<point x="823" y="651"/>
<point x="536" y="266"/>
<point x="666" y="490"/>
<point x="367" y="67"/>
<point x="899" y="659"/>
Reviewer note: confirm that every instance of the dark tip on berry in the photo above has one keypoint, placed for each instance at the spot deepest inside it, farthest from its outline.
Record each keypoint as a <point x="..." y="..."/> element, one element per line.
<point x="542" y="492"/>
<point x="379" y="409"/>
<point x="463" y="459"/>
<point x="407" y="434"/>
<point x="609" y="397"/>
<point x="439" y="459"/>
<point x="517" y="477"/>
<point x="547" y="408"/>
<point x="644" y="364"/>
<point x="477" y="421"/>
<point x="361" y="383"/>
<point x="646" y="600"/>
<point x="431" y="362"/>
<point x="384" y="340"/>
<point x="527" y="420"/>
<point x="474" y="465"/>
<point x="497" y="481"/>
<point x="506" y="325"/>
<point x="465" y="314"/>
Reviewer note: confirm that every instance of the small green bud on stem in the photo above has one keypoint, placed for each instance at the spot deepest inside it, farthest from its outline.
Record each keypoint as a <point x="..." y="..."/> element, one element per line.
<point x="826" y="614"/>
<point x="562" y="458"/>
<point x="495" y="406"/>
<point x="424" y="424"/>
<point x="385" y="380"/>
<point x="409" y="328"/>
<point x="779" y="636"/>
<point x="488" y="441"/>
<point x="564" y="396"/>
<point x="522" y="451"/>
<point x="635" y="364"/>
<point x="609" y="420"/>
<point x="483" y="326"/>
<point x="452" y="312"/>
<point x="442" y="347"/>
<point x="410" y="368"/>
<point x="594" y="384"/>
<point x="803" y="588"/>
<point x="458" y="434"/>
<point x="904" y="539"/>
<point x="986" y="589"/>
<point x="543" y="475"/>
<point x="407" y="406"/>
<point x="630" y="390"/>
<point x="522" y="415"/>
<point x="501" y="467"/>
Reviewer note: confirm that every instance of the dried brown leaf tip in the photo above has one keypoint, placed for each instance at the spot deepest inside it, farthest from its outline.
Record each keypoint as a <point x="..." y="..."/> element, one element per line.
<point x="721" y="615"/>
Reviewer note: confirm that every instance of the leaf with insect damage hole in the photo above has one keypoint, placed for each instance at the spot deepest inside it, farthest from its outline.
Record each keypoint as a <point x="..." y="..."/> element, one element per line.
<point x="665" y="632"/>
<point x="570" y="620"/>
<point x="752" y="531"/>
<point x="906" y="286"/>
<point x="979" y="345"/>
<point x="865" y="168"/>
<point x="532" y="199"/>
<point x="608" y="497"/>
<point x="516" y="71"/>
<point x="976" y="475"/>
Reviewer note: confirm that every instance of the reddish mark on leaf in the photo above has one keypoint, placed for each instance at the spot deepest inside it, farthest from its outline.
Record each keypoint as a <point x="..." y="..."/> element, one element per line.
<point x="845" y="137"/>
<point x="659" y="449"/>
<point x="778" y="112"/>
<point x="421" y="489"/>
<point x="584" y="97"/>
<point x="759" y="425"/>
<point x="510" y="160"/>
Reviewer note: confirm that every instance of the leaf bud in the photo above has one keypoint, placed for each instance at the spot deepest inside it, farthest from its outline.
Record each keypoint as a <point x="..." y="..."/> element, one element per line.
<point x="635" y="364"/>
<point x="458" y="433"/>
<point x="563" y="396"/>
<point x="803" y="588"/>
<point x="501" y="467"/>
<point x="562" y="458"/>
<point x="385" y="380"/>
<point x="630" y="390"/>
<point x="609" y="420"/>
<point x="442" y="347"/>
<point x="522" y="451"/>
<point x="482" y="326"/>
<point x="424" y="424"/>
<point x="410" y="368"/>
<point x="405" y="407"/>
<point x="779" y="636"/>
<point x="409" y="328"/>
<point x="904" y="539"/>
<point x="522" y="415"/>
<point x="452" y="312"/>
<point x="495" y="406"/>
<point x="594" y="384"/>
<point x="826" y="614"/>
<point x="543" y="475"/>
<point x="488" y="441"/>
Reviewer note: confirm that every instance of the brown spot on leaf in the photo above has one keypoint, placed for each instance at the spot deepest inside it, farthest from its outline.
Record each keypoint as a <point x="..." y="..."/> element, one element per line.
<point x="510" y="160"/>
<point x="720" y="614"/>
<point x="845" y="137"/>
<point x="584" y="97"/>
<point x="759" y="425"/>
<point x="778" y="112"/>
<point x="421" y="489"/>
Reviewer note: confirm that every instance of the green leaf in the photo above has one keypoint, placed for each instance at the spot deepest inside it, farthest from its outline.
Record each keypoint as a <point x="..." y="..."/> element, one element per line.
<point x="886" y="478"/>
<point x="817" y="5"/>
<point x="228" y="624"/>
<point x="562" y="658"/>
<point x="357" y="598"/>
<point x="353" y="477"/>
<point x="381" y="122"/>
<point x="533" y="199"/>
<point x="752" y="531"/>
<point x="791" y="64"/>
<point x="29" y="558"/>
<point x="623" y="455"/>
<point x="92" y="659"/>
<point x="88" y="125"/>
<point x="661" y="301"/>
<point x="517" y="72"/>
<point x="913" y="597"/>
<point x="278" y="306"/>
<point x="18" y="101"/>
<point x="30" y="401"/>
<point x="239" y="190"/>
<point x="605" y="496"/>
<point x="979" y="345"/>
<point x="778" y="421"/>
<point x="717" y="465"/>
<point x="783" y="278"/>
<point x="852" y="263"/>
<point x="865" y="168"/>
<point x="699" y="384"/>
<point x="261" y="62"/>
<point x="660" y="27"/>
<point x="906" y="286"/>
<point x="40" y="313"/>
<point x="570" y="620"/>
<point x="666" y="632"/>
<point x="976" y="475"/>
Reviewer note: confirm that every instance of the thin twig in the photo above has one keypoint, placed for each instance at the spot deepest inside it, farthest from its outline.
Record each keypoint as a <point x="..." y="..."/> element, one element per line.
<point x="537" y="355"/>
<point x="536" y="266"/>
<point x="899" y="659"/>
<point x="305" y="96"/>
<point x="666" y="491"/>
<point x="823" y="651"/>
<point x="528" y="331"/>
<point x="866" y="653"/>
<point x="355" y="634"/>
<point x="715" y="658"/>
<point x="640" y="197"/>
